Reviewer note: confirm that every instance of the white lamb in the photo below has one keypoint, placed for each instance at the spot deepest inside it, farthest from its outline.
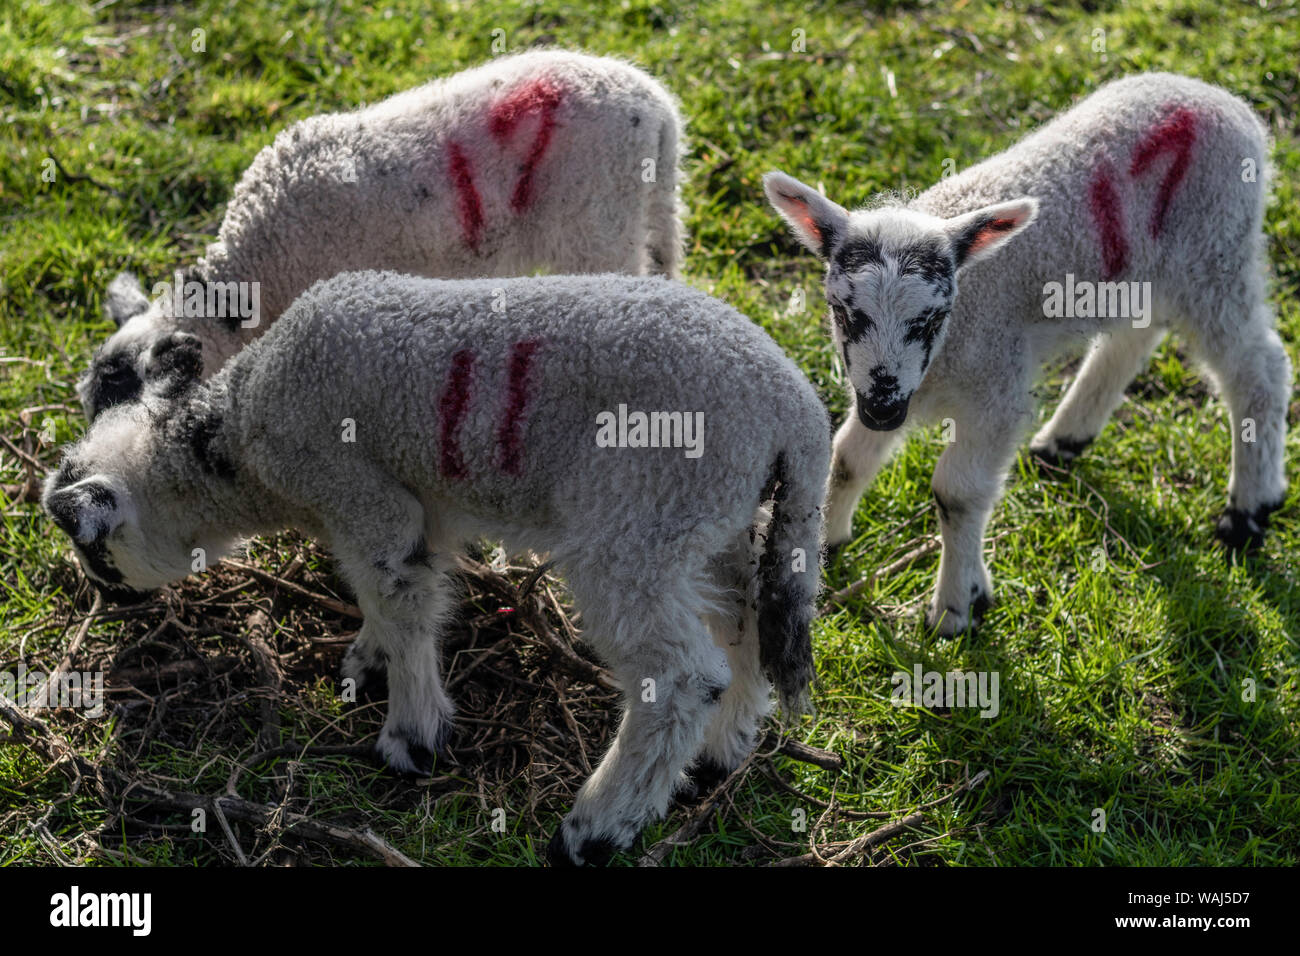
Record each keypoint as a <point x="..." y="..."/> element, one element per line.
<point x="549" y="160"/>
<point x="1148" y="200"/>
<point x="466" y="422"/>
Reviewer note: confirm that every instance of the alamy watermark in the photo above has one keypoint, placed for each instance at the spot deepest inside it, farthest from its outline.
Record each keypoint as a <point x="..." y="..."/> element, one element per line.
<point x="74" y="909"/>
<point x="624" y="429"/>
<point x="83" y="690"/>
<point x="198" y="299"/>
<point x="1098" y="300"/>
<point x="923" y="688"/>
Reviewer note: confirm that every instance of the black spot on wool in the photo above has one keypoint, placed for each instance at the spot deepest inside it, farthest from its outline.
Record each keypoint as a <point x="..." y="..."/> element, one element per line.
<point x="784" y="618"/>
<point x="858" y="252"/>
<point x="95" y="556"/>
<point x="925" y="328"/>
<point x="69" y="473"/>
<point x="931" y="262"/>
<point x="199" y="427"/>
<point x="177" y="363"/>
<point x="115" y="382"/>
<point x="945" y="512"/>
<point x="101" y="496"/>
<point x="859" y="325"/>
<point x="419" y="553"/>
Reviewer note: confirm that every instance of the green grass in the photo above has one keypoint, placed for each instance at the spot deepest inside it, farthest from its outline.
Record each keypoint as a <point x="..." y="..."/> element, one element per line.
<point x="1121" y="675"/>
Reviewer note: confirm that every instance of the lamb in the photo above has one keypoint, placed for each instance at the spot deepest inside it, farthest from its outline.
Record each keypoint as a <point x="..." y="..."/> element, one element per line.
<point x="1149" y="192"/>
<point x="398" y="416"/>
<point x="547" y="160"/>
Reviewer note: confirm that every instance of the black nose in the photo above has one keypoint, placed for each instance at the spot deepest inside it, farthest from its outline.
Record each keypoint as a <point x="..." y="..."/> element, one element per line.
<point x="881" y="416"/>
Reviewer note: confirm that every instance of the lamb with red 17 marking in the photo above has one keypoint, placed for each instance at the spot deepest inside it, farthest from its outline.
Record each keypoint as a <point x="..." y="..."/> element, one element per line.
<point x="549" y="160"/>
<point x="1155" y="182"/>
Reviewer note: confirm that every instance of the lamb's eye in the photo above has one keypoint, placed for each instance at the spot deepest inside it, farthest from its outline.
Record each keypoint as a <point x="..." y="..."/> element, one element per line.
<point x="854" y="322"/>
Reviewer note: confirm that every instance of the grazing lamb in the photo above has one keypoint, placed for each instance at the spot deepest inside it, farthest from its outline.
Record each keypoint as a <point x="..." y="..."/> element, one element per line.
<point x="1150" y="201"/>
<point x="549" y="160"/>
<point x="629" y="427"/>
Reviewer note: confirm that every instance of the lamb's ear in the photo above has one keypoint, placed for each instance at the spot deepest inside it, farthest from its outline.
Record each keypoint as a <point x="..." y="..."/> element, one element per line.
<point x="979" y="233"/>
<point x="124" y="299"/>
<point x="87" y="511"/>
<point x="816" y="220"/>
<point x="175" y="363"/>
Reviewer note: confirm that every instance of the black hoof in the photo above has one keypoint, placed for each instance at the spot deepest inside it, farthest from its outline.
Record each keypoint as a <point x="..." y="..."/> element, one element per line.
<point x="557" y="855"/>
<point x="705" y="776"/>
<point x="1241" y="530"/>
<point x="980" y="602"/>
<point x="421" y="757"/>
<point x="593" y="852"/>
<point x="1061" y="456"/>
<point x="374" y="685"/>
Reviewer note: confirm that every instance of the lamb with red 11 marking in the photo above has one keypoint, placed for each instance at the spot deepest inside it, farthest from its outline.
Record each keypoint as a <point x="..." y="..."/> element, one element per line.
<point x="398" y="417"/>
<point x="1156" y="182"/>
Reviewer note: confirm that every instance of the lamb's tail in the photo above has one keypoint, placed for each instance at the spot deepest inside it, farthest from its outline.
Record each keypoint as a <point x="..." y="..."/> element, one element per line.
<point x="789" y="576"/>
<point x="666" y="237"/>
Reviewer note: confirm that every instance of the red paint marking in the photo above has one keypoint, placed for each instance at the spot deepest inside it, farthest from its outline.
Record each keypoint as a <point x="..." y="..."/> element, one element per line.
<point x="540" y="97"/>
<point x="469" y="206"/>
<point x="510" y="432"/>
<point x="1104" y="203"/>
<point x="452" y="406"/>
<point x="1175" y="134"/>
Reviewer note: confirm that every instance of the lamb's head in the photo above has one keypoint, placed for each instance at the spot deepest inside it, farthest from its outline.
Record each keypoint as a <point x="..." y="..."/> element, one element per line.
<point x="140" y="351"/>
<point x="891" y="280"/>
<point x="127" y="496"/>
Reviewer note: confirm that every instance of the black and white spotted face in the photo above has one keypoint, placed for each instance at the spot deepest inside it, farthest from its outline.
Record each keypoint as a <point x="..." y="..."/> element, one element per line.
<point x="889" y="305"/>
<point x="891" y="280"/>
<point x="91" y="500"/>
<point x="126" y="510"/>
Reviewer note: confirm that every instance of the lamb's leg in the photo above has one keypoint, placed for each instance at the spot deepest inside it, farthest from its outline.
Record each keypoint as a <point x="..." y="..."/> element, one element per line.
<point x="664" y="232"/>
<point x="1112" y="363"/>
<point x="733" y="732"/>
<point x="405" y="593"/>
<point x="366" y="666"/>
<point x="967" y="483"/>
<point x="1253" y="373"/>
<point x="859" y="454"/>
<point x="673" y="679"/>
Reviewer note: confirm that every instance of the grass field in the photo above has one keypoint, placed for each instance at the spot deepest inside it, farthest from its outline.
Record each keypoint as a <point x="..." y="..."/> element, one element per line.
<point x="1121" y="635"/>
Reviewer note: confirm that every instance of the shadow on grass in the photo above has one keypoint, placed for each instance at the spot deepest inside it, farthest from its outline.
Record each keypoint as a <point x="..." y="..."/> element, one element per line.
<point x="1059" y="748"/>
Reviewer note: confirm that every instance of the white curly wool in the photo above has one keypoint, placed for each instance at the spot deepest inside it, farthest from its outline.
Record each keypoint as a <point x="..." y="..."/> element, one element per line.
<point x="545" y="161"/>
<point x="631" y="428"/>
<point x="1137" y="211"/>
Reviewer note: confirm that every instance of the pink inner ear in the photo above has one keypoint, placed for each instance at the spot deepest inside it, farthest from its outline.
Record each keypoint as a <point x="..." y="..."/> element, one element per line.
<point x="990" y="233"/>
<point x="798" y="209"/>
